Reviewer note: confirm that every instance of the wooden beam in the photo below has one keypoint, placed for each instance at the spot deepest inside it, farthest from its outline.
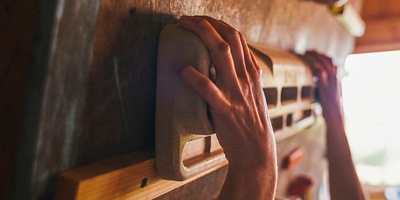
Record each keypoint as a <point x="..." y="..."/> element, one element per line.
<point x="376" y="9"/>
<point x="126" y="177"/>
<point x="388" y="46"/>
<point x="381" y="34"/>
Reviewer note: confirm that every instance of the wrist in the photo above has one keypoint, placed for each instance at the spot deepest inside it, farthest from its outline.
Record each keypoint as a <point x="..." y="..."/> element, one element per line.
<point x="254" y="165"/>
<point x="332" y="115"/>
<point x="261" y="178"/>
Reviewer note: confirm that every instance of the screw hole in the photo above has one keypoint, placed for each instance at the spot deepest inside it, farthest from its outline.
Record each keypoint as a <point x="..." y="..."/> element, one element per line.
<point x="144" y="183"/>
<point x="132" y="11"/>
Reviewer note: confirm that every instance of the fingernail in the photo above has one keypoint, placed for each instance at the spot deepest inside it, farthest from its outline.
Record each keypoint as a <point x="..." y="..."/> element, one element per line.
<point x="184" y="20"/>
<point x="186" y="17"/>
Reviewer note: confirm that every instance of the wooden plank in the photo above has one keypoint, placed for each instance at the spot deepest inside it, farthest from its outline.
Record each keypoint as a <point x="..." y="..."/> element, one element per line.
<point x="382" y="34"/>
<point x="372" y="9"/>
<point x="391" y="46"/>
<point x="382" y="27"/>
<point x="119" y="178"/>
<point x="380" y="31"/>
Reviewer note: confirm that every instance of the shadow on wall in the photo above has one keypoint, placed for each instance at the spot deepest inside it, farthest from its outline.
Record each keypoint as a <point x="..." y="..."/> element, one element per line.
<point x="118" y="115"/>
<point x="113" y="107"/>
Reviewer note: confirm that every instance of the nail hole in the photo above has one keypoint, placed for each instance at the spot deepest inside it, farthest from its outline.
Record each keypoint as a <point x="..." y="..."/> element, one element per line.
<point x="132" y="11"/>
<point x="144" y="183"/>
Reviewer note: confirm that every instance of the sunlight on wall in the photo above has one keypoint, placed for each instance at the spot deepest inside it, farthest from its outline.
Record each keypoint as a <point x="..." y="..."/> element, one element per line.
<point x="371" y="104"/>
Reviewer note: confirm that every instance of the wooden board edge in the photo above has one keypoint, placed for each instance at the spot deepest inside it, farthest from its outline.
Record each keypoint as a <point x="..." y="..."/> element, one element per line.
<point x="112" y="180"/>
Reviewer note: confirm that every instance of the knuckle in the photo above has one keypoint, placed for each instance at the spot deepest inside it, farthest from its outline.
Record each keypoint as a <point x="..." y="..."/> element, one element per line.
<point x="233" y="35"/>
<point x="258" y="68"/>
<point x="223" y="46"/>
<point x="236" y="34"/>
<point x="201" y="23"/>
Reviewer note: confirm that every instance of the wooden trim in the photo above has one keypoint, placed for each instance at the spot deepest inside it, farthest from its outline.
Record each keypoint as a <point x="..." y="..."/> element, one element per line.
<point x="377" y="47"/>
<point x="381" y="34"/>
<point x="127" y="177"/>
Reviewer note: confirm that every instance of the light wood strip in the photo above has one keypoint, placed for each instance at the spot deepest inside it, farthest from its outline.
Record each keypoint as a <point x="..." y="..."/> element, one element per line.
<point x="119" y="178"/>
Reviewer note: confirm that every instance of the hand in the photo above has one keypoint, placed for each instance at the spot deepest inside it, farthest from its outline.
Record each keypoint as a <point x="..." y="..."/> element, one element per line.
<point x="325" y="70"/>
<point x="343" y="180"/>
<point x="238" y="108"/>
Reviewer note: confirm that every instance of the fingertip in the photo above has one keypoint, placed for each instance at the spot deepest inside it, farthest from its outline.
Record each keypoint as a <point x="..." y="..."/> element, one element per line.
<point x="185" y="20"/>
<point x="184" y="17"/>
<point x="183" y="70"/>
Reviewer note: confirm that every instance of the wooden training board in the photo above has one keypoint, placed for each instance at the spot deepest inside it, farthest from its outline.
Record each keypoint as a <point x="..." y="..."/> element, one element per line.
<point x="186" y="146"/>
<point x="185" y="141"/>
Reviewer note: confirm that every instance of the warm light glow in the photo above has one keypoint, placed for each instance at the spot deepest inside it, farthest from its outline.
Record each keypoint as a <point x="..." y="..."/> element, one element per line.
<point x="371" y="103"/>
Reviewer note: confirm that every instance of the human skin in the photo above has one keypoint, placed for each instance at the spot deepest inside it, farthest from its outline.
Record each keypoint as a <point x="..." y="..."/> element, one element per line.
<point x="238" y="109"/>
<point x="240" y="115"/>
<point x="343" y="179"/>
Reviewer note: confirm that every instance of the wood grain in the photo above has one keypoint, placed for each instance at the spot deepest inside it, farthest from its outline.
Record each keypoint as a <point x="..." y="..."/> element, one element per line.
<point x="92" y="94"/>
<point x="119" y="178"/>
<point x="382" y="34"/>
<point x="382" y="27"/>
<point x="372" y="9"/>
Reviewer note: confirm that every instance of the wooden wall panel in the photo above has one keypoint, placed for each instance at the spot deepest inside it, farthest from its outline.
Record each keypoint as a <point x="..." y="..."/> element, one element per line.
<point x="18" y="22"/>
<point x="98" y="98"/>
<point x="62" y="51"/>
<point x="382" y="26"/>
<point x="382" y="34"/>
<point x="377" y="9"/>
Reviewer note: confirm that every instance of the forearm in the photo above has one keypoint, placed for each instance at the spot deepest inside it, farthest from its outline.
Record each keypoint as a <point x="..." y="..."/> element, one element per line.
<point x="344" y="183"/>
<point x="343" y="180"/>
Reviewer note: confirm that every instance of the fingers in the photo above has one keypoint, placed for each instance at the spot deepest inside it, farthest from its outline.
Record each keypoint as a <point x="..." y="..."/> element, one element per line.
<point x="234" y="39"/>
<point x="234" y="64"/>
<point x="324" y="62"/>
<point x="218" y="47"/>
<point x="327" y="64"/>
<point x="322" y="66"/>
<point x="203" y="86"/>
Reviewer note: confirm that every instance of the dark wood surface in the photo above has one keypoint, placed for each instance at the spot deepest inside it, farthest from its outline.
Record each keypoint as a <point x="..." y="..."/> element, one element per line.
<point x="18" y="22"/>
<point x="382" y="26"/>
<point x="92" y="90"/>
